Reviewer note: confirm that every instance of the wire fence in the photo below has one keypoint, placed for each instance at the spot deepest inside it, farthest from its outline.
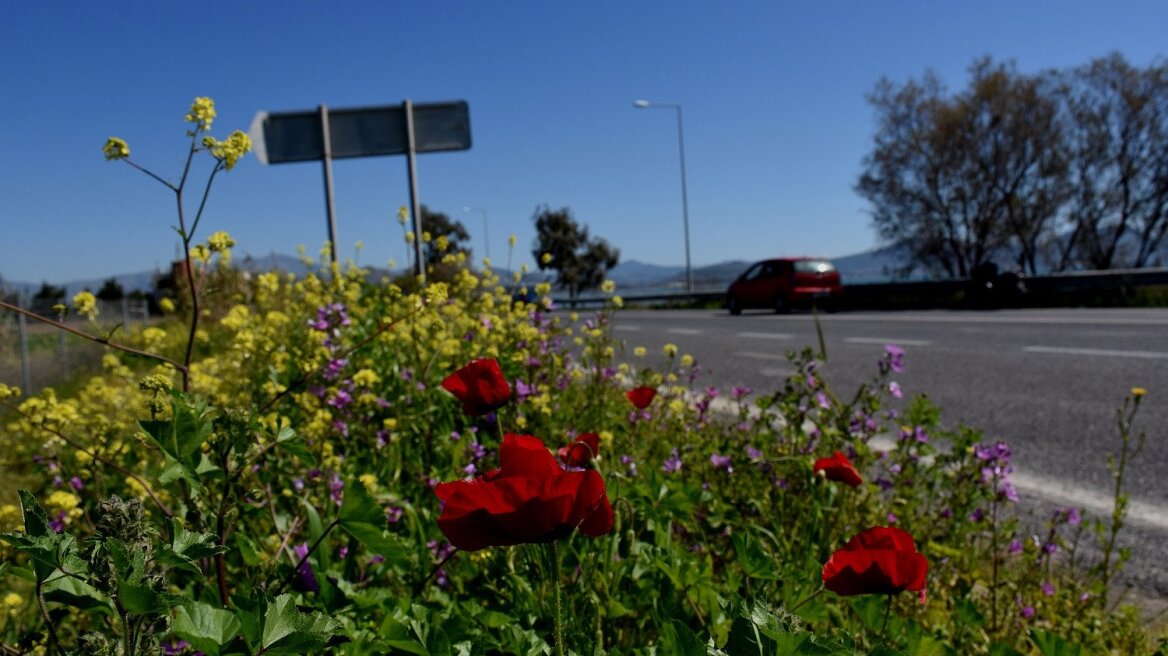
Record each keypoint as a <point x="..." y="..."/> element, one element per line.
<point x="35" y="355"/>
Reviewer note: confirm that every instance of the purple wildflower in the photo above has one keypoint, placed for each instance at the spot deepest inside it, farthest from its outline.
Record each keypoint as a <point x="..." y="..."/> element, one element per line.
<point x="305" y="577"/>
<point x="894" y="390"/>
<point x="721" y="462"/>
<point x="672" y="463"/>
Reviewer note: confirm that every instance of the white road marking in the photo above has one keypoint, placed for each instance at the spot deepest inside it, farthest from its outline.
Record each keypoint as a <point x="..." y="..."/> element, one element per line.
<point x="881" y="340"/>
<point x="973" y="318"/>
<point x="628" y="329"/>
<point x="684" y="331"/>
<point x="1097" y="502"/>
<point x="774" y="372"/>
<point x="760" y="356"/>
<point x="765" y="335"/>
<point x="1110" y="353"/>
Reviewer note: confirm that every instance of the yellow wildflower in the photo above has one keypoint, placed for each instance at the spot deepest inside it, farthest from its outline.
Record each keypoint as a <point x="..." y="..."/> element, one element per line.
<point x="166" y="305"/>
<point x="115" y="148"/>
<point x="10" y="517"/>
<point x="369" y="481"/>
<point x="202" y="113"/>
<point x="403" y="213"/>
<point x="220" y="241"/>
<point x="85" y="303"/>
<point x="511" y="241"/>
<point x="1138" y="391"/>
<point x="13" y="601"/>
<point x="608" y="286"/>
<point x="670" y="350"/>
<point x="546" y="258"/>
<point x="230" y="150"/>
<point x="618" y="302"/>
<point x="8" y="392"/>
<point x="639" y="351"/>
<point x="687" y="360"/>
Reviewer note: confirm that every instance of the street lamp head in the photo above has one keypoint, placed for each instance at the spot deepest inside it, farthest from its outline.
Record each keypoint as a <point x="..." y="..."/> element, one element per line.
<point x="641" y="104"/>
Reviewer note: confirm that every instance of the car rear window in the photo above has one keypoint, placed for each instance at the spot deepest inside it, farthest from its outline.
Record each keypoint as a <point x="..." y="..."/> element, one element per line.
<point x="813" y="266"/>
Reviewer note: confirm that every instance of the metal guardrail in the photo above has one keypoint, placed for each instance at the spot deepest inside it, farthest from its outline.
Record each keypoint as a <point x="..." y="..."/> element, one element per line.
<point x="1039" y="288"/>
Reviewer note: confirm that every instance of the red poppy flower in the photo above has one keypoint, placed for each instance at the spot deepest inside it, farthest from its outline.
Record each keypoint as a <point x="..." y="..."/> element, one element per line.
<point x="641" y="396"/>
<point x="480" y="386"/>
<point x="580" y="452"/>
<point x="839" y="468"/>
<point x="881" y="560"/>
<point x="530" y="498"/>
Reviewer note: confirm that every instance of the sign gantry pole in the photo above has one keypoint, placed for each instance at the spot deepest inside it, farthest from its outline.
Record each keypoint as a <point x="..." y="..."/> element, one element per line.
<point x="324" y="134"/>
<point x="415" y="206"/>
<point x="327" y="163"/>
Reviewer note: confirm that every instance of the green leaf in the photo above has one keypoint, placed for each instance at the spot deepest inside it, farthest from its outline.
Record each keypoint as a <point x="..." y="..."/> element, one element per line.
<point x="50" y="551"/>
<point x="207" y="628"/>
<point x="181" y="437"/>
<point x="288" y="631"/>
<point x="288" y="440"/>
<point x="36" y="522"/>
<point x="72" y="592"/>
<point x="756" y="563"/>
<point x="186" y="548"/>
<point x="140" y="599"/>
<point x="363" y="518"/>
<point x="1050" y="644"/>
<point x="248" y="550"/>
<point x="677" y="638"/>
<point x="1002" y="649"/>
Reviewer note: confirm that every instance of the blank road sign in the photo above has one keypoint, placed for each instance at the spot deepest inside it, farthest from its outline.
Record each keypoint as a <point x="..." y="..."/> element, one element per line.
<point x="364" y="132"/>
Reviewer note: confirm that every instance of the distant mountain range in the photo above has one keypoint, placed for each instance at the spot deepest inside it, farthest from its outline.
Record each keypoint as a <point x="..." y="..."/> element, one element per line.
<point x="630" y="274"/>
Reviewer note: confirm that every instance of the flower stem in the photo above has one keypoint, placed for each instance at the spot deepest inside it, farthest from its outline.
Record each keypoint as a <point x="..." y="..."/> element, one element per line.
<point x="884" y="627"/>
<point x="558" y="620"/>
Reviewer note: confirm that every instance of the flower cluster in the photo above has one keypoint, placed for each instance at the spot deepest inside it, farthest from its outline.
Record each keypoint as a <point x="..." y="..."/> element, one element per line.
<point x="115" y="148"/>
<point x="202" y="113"/>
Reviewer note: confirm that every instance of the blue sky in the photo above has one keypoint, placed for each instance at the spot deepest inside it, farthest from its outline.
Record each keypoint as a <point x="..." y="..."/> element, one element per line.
<point x="776" y="121"/>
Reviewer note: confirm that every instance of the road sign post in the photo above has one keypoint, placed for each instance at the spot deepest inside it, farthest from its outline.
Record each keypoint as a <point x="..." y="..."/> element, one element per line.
<point x="325" y="135"/>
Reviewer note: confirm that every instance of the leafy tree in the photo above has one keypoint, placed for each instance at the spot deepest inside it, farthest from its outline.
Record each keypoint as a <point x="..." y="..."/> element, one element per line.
<point x="49" y="293"/>
<point x="1118" y="118"/>
<point x="111" y="290"/>
<point x="438" y="225"/>
<point x="562" y="245"/>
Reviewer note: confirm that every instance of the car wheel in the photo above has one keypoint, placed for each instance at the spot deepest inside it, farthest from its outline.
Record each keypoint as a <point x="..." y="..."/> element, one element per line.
<point x="733" y="306"/>
<point x="781" y="306"/>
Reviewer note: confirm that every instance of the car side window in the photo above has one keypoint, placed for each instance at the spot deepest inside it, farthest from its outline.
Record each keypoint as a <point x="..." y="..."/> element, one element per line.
<point x="753" y="272"/>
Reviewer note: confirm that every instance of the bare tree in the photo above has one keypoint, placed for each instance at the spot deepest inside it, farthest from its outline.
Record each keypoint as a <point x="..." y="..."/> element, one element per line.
<point x="1117" y="117"/>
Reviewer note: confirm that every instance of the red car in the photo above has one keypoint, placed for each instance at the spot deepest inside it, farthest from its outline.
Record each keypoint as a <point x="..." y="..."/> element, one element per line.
<point x="782" y="283"/>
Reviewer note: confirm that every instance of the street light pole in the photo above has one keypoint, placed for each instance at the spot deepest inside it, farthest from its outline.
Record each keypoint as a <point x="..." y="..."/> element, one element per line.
<point x="486" y="235"/>
<point x="645" y="104"/>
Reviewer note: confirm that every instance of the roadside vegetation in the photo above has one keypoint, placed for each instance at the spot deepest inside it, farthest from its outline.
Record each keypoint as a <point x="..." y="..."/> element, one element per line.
<point x="328" y="464"/>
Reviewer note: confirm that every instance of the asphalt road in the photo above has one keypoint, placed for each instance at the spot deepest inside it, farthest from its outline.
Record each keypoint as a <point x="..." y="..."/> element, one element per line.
<point x="1045" y="381"/>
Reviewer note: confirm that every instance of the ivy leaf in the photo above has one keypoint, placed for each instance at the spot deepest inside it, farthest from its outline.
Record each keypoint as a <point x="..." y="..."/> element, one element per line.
<point x="186" y="548"/>
<point x="288" y="631"/>
<point x="363" y="518"/>
<point x="207" y="628"/>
